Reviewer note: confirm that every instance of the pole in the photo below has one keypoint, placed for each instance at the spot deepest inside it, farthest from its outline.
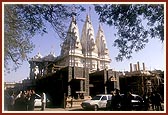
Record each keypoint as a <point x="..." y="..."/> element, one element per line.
<point x="64" y="100"/>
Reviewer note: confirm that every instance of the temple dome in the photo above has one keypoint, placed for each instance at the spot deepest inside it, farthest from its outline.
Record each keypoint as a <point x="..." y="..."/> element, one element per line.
<point x="37" y="57"/>
<point x="50" y="57"/>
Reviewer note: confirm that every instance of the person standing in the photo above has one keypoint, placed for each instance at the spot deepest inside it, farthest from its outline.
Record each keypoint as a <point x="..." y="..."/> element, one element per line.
<point x="117" y="101"/>
<point x="152" y="99"/>
<point x="158" y="101"/>
<point x="21" y="103"/>
<point x="43" y="101"/>
<point x="31" y="100"/>
<point x="6" y="101"/>
<point x="12" y="102"/>
<point x="126" y="101"/>
<point x="129" y="101"/>
<point x="112" y="101"/>
<point x="146" y="101"/>
<point x="28" y="96"/>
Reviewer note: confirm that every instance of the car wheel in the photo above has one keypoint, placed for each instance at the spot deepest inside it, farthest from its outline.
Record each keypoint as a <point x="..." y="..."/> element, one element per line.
<point x="95" y="107"/>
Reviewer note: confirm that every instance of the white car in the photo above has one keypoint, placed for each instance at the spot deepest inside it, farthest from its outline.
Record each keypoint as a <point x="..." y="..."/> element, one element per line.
<point x="37" y="101"/>
<point x="97" y="102"/>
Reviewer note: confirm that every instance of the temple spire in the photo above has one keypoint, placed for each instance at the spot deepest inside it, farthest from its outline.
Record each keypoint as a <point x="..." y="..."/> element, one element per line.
<point x="72" y="40"/>
<point x="87" y="37"/>
<point x="87" y="18"/>
<point x="100" y="28"/>
<point x="74" y="19"/>
<point x="101" y="43"/>
<point x="90" y="12"/>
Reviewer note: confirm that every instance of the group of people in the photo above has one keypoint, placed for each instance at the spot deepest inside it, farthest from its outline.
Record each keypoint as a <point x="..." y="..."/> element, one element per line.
<point x="154" y="99"/>
<point x="121" y="103"/>
<point x="124" y="102"/>
<point x="23" y="101"/>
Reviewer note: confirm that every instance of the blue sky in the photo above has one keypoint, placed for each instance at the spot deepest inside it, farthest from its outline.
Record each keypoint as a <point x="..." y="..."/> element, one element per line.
<point x="152" y="55"/>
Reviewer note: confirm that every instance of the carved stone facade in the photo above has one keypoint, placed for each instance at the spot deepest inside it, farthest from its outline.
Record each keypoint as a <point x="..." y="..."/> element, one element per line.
<point x="79" y="58"/>
<point x="84" y="51"/>
<point x="76" y="51"/>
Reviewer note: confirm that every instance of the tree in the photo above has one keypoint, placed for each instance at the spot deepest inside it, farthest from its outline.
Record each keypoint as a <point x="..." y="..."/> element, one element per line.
<point x="135" y="24"/>
<point x="23" y="21"/>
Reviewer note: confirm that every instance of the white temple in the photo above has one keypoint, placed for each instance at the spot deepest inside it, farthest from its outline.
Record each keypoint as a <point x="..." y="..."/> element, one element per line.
<point x="85" y="51"/>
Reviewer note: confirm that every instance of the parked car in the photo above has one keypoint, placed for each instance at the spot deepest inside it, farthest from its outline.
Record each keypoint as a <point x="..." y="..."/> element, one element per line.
<point x="137" y="102"/>
<point x="97" y="102"/>
<point x="38" y="103"/>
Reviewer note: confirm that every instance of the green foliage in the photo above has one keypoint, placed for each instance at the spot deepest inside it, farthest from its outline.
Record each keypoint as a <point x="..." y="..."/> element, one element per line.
<point x="23" y="21"/>
<point x="16" y="39"/>
<point x="135" y="23"/>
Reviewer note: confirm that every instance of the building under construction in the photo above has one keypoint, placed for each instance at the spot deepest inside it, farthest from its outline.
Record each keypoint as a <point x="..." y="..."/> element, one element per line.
<point x="142" y="81"/>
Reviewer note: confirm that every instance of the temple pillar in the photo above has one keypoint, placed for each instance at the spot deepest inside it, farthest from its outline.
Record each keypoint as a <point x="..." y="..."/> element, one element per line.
<point x="105" y="80"/>
<point x="81" y="85"/>
<point x="69" y="90"/>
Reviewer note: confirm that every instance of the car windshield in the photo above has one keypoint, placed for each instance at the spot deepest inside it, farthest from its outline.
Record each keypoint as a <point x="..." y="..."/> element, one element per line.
<point x="96" y="98"/>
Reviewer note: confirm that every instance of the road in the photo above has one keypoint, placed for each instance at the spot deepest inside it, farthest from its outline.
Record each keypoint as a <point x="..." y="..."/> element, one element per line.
<point x="76" y="108"/>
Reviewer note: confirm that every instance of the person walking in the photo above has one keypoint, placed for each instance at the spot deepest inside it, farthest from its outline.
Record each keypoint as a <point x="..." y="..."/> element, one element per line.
<point x="43" y="101"/>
